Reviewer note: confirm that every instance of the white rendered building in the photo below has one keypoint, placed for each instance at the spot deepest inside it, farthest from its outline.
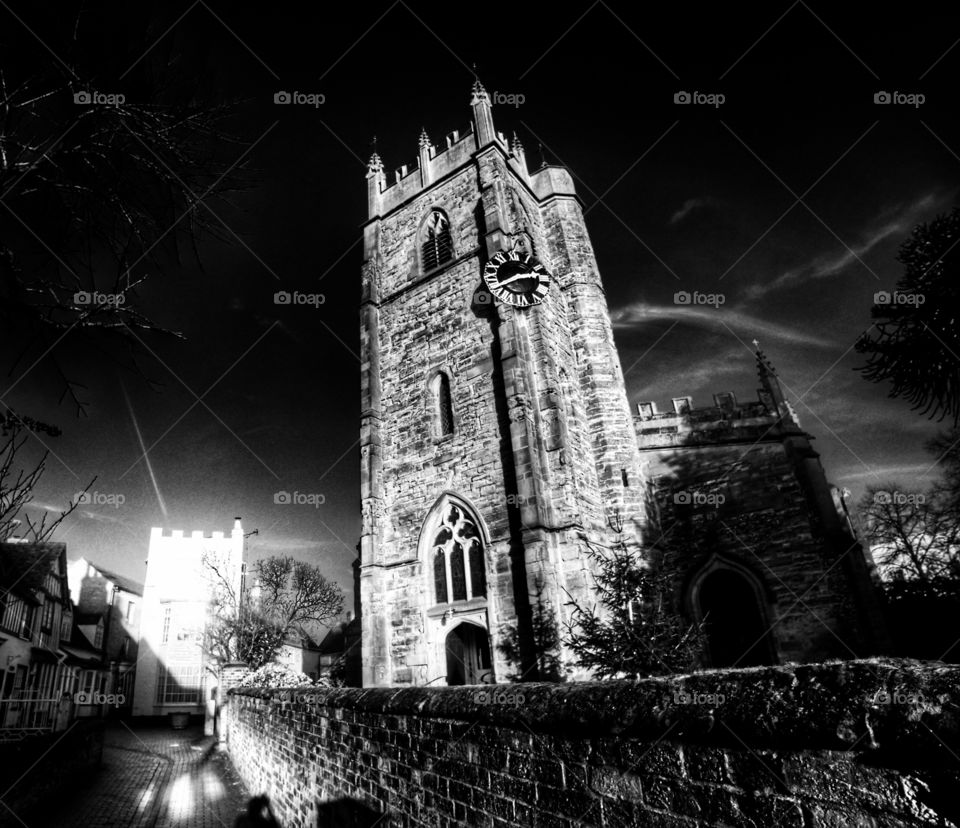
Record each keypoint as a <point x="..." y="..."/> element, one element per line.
<point x="173" y="674"/>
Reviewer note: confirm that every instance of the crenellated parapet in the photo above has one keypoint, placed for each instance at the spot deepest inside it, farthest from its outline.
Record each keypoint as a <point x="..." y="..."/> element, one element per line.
<point x="389" y="189"/>
<point x="726" y="421"/>
<point x="770" y="418"/>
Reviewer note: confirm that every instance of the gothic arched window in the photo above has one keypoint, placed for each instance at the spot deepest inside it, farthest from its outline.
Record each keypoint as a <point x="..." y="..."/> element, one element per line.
<point x="457" y="551"/>
<point x="436" y="245"/>
<point x="440" y="574"/>
<point x="442" y="405"/>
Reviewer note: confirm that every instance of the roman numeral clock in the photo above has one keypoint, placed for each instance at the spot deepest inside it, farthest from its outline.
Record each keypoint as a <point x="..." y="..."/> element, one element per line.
<point x="516" y="278"/>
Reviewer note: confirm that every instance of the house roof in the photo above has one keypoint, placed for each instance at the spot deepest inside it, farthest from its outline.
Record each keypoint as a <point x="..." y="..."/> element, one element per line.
<point x="333" y="641"/>
<point x="79" y="644"/>
<point x="82" y="619"/>
<point x="81" y="655"/>
<point x="122" y="581"/>
<point x="18" y="570"/>
<point x="304" y="642"/>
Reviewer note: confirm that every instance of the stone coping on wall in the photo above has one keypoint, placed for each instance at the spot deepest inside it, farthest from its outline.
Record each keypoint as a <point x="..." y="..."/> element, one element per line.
<point x="880" y="704"/>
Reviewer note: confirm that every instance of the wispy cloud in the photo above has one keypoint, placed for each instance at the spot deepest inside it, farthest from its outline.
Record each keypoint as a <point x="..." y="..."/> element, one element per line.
<point x="292" y="545"/>
<point x="695" y="375"/>
<point x="885" y="472"/>
<point x="98" y="517"/>
<point x="690" y="205"/>
<point x="745" y="325"/>
<point x="827" y="265"/>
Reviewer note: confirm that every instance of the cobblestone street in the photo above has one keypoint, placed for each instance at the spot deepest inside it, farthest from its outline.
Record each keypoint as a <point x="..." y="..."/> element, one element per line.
<point x="155" y="777"/>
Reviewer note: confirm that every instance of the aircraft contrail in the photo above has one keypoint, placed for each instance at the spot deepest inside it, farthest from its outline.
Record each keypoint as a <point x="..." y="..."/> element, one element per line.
<point x="146" y="456"/>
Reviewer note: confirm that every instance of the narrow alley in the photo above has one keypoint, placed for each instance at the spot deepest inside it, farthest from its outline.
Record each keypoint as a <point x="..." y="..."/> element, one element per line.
<point x="155" y="777"/>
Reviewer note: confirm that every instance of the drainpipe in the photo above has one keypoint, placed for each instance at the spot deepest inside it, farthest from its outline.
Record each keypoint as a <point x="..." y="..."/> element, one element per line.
<point x="107" y="626"/>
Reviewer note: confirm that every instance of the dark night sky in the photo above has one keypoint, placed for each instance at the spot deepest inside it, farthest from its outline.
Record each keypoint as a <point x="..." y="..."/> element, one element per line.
<point x="677" y="198"/>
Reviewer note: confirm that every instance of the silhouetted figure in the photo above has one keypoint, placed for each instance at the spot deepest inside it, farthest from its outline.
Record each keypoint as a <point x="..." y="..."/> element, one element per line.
<point x="258" y="815"/>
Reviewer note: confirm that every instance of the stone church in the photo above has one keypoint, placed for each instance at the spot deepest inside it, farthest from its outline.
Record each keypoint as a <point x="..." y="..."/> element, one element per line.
<point x="498" y="447"/>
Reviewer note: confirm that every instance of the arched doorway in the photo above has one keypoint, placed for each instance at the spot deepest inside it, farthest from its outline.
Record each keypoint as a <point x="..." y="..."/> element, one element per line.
<point x="468" y="655"/>
<point x="736" y="626"/>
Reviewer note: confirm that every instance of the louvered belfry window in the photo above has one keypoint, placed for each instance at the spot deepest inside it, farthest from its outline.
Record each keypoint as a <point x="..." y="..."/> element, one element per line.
<point x="437" y="247"/>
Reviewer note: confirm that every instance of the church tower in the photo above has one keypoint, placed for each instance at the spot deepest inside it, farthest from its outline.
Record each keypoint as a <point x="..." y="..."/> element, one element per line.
<point x="497" y="443"/>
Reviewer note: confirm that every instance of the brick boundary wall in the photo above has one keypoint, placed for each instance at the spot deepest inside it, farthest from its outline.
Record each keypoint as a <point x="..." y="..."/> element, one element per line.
<point x="860" y="743"/>
<point x="42" y="769"/>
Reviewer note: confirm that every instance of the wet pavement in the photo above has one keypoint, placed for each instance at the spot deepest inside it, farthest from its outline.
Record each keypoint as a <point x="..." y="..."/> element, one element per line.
<point x="155" y="778"/>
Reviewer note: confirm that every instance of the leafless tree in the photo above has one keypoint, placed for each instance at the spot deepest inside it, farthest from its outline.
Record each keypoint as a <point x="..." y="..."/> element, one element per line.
<point x="99" y="189"/>
<point x="17" y="484"/>
<point x="296" y="594"/>
<point x="913" y="535"/>
<point x="249" y="623"/>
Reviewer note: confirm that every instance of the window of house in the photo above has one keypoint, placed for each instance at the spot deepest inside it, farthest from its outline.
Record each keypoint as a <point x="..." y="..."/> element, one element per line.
<point x="98" y="637"/>
<point x="167" y="613"/>
<point x="14" y="614"/>
<point x="458" y="562"/>
<point x="131" y="605"/>
<point x="46" y="617"/>
<point x="442" y="405"/>
<point x="88" y="683"/>
<point x="45" y="679"/>
<point x="179" y="684"/>
<point x="436" y="246"/>
<point x="18" y="689"/>
<point x="66" y="624"/>
<point x="29" y="621"/>
<point x="52" y="585"/>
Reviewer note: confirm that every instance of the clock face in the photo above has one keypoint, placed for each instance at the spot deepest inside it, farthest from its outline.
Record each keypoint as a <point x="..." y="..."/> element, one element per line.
<point x="516" y="278"/>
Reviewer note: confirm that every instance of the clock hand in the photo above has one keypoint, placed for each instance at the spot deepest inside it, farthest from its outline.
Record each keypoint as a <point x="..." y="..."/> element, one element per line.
<point x="525" y="275"/>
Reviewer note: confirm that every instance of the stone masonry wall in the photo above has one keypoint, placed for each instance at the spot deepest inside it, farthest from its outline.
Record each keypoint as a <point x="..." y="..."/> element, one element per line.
<point x="764" y="523"/>
<point x="866" y="743"/>
<point x="520" y="387"/>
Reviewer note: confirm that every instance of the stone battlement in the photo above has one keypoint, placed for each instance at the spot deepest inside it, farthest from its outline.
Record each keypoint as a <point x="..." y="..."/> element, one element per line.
<point x="727" y="420"/>
<point x="408" y="179"/>
<point x="724" y="405"/>
<point x="196" y="534"/>
<point x="388" y="191"/>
